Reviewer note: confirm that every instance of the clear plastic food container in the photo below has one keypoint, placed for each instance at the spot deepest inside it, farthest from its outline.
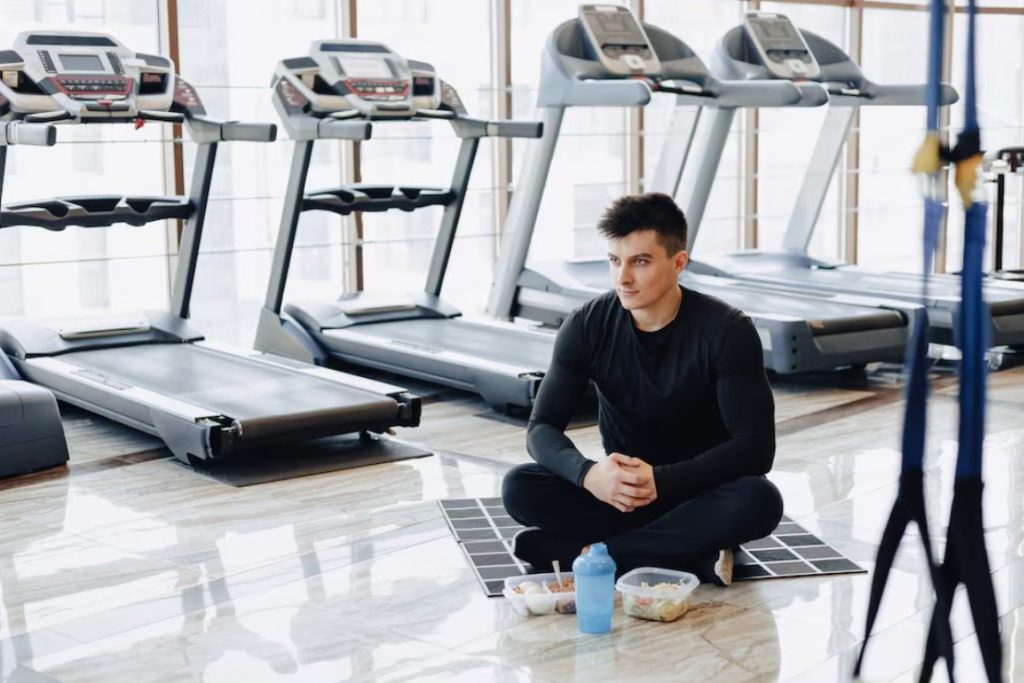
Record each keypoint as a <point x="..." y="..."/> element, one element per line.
<point x="541" y="594"/>
<point x="656" y="594"/>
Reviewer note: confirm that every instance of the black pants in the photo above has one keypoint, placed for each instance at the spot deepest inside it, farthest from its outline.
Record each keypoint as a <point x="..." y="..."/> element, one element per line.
<point x="668" y="532"/>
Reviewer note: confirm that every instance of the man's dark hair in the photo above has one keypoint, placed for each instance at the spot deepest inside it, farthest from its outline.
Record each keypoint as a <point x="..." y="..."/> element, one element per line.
<point x="652" y="211"/>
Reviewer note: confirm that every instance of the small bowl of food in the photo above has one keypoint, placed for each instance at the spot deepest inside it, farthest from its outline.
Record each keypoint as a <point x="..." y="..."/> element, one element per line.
<point x="564" y="591"/>
<point x="535" y="594"/>
<point x="656" y="594"/>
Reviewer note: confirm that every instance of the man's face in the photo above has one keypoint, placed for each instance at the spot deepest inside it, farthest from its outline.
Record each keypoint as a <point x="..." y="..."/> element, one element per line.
<point x="642" y="271"/>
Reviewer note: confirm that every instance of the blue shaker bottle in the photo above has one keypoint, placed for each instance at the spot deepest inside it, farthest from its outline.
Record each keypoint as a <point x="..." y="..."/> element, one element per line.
<point x="594" y="572"/>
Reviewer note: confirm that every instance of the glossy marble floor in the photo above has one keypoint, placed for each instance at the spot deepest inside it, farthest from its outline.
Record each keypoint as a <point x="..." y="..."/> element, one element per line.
<point x="129" y="567"/>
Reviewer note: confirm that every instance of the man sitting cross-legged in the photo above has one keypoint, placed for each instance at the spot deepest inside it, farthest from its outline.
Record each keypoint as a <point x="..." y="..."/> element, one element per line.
<point x="685" y="411"/>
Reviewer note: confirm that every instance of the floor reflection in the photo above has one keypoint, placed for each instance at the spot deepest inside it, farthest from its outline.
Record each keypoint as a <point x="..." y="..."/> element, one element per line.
<point x="147" y="571"/>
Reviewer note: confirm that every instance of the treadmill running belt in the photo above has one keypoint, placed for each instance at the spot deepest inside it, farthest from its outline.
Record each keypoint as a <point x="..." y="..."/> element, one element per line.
<point x="823" y="316"/>
<point x="241" y="388"/>
<point x="527" y="350"/>
<point x="1005" y="297"/>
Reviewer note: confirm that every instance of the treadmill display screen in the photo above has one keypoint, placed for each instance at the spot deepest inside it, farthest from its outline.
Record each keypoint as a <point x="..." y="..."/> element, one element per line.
<point x="617" y="28"/>
<point x="362" y="67"/>
<point x="81" y="62"/>
<point x="778" y="34"/>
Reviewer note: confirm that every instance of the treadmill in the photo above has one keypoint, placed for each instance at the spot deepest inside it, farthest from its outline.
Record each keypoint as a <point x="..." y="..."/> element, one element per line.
<point x="339" y="91"/>
<point x="31" y="431"/>
<point x="768" y="47"/>
<point x="606" y="57"/>
<point x="154" y="371"/>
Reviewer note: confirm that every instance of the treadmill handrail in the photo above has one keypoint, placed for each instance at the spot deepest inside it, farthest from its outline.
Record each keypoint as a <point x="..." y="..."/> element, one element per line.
<point x="464" y="126"/>
<point x="339" y="129"/>
<point x="248" y="131"/>
<point x="766" y="94"/>
<point x="812" y="94"/>
<point x="468" y="127"/>
<point x="160" y="116"/>
<point x="340" y="125"/>
<point x="22" y="133"/>
<point x="54" y="116"/>
<point x="37" y="128"/>
<point x="875" y="94"/>
<point x="627" y="92"/>
<point x="207" y="129"/>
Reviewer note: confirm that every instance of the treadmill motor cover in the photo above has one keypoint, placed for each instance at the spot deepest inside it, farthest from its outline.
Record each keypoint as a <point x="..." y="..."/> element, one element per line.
<point x="31" y="432"/>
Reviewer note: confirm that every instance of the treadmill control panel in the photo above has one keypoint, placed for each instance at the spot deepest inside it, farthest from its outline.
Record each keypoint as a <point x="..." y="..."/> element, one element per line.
<point x="782" y="48"/>
<point x="93" y="87"/>
<point x="618" y="40"/>
<point x="59" y="75"/>
<point x="350" y="77"/>
<point x="384" y="91"/>
<point x="368" y="72"/>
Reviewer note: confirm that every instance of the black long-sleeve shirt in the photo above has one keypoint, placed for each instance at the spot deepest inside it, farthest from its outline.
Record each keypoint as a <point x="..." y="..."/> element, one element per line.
<point x="690" y="399"/>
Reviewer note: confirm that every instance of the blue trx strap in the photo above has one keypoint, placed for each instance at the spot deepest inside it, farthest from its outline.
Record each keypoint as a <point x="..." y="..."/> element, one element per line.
<point x="973" y="311"/>
<point x="966" y="559"/>
<point x="909" y="505"/>
<point x="973" y="333"/>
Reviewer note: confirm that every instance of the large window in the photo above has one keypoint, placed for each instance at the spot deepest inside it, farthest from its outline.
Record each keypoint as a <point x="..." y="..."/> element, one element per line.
<point x="786" y="139"/>
<point x="455" y="37"/>
<point x="589" y="166"/>
<point x="890" y="213"/>
<point x="79" y="270"/>
<point x="228" y="50"/>
<point x="700" y="26"/>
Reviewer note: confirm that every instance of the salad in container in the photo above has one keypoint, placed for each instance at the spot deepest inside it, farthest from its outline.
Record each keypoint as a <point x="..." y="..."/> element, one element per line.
<point x="656" y="594"/>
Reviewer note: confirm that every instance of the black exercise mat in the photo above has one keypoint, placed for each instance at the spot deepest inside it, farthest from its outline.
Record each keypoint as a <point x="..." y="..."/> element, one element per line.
<point x="329" y="454"/>
<point x="484" y="531"/>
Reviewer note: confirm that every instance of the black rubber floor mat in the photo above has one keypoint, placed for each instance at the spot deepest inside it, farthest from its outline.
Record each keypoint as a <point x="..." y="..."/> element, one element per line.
<point x="484" y="531"/>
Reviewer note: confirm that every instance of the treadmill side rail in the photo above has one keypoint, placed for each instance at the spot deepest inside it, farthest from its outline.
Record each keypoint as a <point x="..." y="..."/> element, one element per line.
<point x="183" y="426"/>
